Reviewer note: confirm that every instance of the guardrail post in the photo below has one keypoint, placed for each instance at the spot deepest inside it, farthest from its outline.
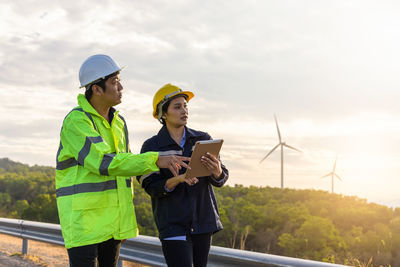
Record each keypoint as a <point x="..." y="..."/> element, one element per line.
<point x="24" y="246"/>
<point x="120" y="263"/>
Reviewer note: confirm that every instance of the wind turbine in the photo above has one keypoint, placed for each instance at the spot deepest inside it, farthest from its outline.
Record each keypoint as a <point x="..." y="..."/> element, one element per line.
<point x="333" y="174"/>
<point x="281" y="144"/>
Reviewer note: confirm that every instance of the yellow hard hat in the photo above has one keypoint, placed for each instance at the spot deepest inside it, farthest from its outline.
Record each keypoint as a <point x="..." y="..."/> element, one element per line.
<point x="164" y="94"/>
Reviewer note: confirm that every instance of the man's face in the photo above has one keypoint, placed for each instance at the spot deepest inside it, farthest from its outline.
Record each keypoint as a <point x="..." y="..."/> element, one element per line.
<point x="113" y="93"/>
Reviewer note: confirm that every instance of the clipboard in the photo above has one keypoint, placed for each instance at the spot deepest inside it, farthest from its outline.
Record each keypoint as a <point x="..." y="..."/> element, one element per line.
<point x="200" y="149"/>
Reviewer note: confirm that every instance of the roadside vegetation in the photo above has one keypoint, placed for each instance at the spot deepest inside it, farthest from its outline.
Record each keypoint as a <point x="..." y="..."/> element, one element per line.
<point x="309" y="224"/>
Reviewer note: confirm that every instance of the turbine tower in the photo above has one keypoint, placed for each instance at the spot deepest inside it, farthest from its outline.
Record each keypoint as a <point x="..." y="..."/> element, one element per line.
<point x="281" y="144"/>
<point x="333" y="174"/>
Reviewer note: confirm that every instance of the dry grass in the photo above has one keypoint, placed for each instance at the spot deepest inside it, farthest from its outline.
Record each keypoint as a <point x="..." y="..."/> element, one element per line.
<point x="358" y="263"/>
<point x="42" y="254"/>
<point x="39" y="253"/>
<point x="7" y="260"/>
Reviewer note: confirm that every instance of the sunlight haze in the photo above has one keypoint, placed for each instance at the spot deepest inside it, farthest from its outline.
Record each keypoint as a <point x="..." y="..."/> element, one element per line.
<point x="329" y="71"/>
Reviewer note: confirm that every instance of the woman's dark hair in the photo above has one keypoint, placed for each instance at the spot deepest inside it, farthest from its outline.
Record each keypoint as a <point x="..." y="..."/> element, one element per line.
<point x="164" y="108"/>
<point x="101" y="83"/>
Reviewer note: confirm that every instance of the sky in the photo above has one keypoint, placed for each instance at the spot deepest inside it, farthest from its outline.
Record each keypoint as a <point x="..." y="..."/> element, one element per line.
<point x="328" y="70"/>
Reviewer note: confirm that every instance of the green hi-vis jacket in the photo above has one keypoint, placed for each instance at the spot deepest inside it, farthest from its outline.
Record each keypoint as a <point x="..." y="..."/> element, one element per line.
<point x="93" y="184"/>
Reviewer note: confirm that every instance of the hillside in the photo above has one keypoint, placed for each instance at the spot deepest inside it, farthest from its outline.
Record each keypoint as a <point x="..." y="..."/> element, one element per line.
<point x="298" y="223"/>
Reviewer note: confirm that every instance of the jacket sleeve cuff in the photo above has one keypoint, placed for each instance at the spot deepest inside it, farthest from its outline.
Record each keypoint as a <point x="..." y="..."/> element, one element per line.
<point x="168" y="190"/>
<point x="128" y="164"/>
<point x="153" y="157"/>
<point x="220" y="181"/>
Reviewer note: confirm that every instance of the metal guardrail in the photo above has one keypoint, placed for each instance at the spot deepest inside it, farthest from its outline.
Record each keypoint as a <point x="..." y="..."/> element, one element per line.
<point x="147" y="250"/>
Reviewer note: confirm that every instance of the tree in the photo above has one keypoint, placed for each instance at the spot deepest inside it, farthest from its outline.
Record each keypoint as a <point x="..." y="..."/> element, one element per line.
<point x="316" y="239"/>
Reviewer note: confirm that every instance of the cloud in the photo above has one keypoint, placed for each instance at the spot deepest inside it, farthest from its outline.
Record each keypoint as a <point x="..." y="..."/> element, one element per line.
<point x="327" y="69"/>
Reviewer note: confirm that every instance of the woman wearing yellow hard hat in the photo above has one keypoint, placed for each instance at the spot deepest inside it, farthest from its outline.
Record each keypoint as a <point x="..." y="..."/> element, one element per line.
<point x="185" y="210"/>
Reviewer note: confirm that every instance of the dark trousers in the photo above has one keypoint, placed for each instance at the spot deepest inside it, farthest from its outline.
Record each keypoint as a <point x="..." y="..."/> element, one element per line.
<point x="192" y="252"/>
<point x="104" y="254"/>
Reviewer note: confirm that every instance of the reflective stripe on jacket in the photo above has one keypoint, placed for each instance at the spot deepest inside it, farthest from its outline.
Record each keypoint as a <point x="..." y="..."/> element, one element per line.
<point x="93" y="184"/>
<point x="186" y="209"/>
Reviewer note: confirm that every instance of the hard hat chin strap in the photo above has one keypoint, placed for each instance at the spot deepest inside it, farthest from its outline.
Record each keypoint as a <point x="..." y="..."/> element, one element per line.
<point x="159" y="112"/>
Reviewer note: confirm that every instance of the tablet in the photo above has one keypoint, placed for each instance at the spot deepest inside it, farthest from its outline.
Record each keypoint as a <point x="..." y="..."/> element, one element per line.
<point x="200" y="149"/>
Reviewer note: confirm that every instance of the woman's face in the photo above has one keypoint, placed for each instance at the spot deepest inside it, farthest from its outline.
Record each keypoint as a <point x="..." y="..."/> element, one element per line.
<point x="177" y="113"/>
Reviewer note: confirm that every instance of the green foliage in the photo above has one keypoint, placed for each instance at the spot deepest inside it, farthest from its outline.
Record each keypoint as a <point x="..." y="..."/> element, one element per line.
<point x="144" y="214"/>
<point x="317" y="238"/>
<point x="307" y="224"/>
<point x="27" y="192"/>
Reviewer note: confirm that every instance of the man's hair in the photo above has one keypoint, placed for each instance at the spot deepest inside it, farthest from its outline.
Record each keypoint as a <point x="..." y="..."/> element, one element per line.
<point x="101" y="83"/>
<point x="164" y="107"/>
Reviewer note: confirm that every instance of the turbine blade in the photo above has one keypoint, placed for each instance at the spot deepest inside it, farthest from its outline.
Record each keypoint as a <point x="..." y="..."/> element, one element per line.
<point x="292" y="148"/>
<point x="269" y="153"/>
<point x="277" y="127"/>
<point x="329" y="174"/>
<point x="338" y="177"/>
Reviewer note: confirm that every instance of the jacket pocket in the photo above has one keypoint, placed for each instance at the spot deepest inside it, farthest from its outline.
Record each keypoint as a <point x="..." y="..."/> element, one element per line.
<point x="95" y="200"/>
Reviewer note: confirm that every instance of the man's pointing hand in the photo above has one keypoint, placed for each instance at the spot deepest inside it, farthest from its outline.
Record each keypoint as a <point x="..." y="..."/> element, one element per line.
<point x="173" y="163"/>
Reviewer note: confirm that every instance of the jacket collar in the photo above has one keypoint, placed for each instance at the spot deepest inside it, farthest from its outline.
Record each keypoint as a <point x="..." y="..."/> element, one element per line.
<point x="87" y="107"/>
<point x="165" y="138"/>
<point x="190" y="133"/>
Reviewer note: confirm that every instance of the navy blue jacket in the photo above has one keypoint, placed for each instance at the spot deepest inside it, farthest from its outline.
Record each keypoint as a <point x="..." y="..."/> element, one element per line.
<point x="186" y="209"/>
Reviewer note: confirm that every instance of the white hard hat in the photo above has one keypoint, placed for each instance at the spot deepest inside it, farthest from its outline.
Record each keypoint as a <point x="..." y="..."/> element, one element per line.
<point x="97" y="67"/>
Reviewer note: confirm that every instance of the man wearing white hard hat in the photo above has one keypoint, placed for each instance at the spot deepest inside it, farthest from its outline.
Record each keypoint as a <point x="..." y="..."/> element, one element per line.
<point x="94" y="166"/>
